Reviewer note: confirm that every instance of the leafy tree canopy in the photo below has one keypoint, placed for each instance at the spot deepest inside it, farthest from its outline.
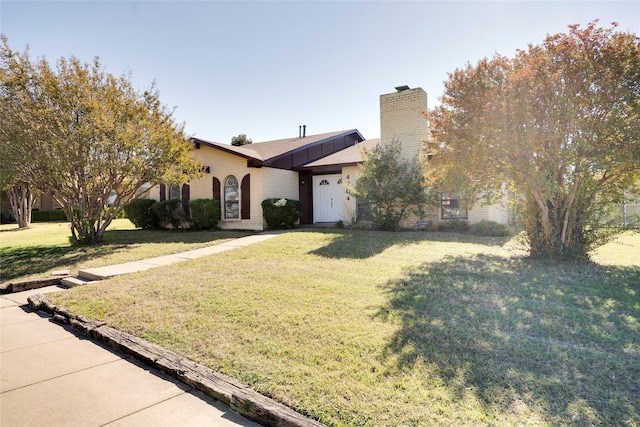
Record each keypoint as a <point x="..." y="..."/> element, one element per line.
<point x="559" y="124"/>
<point x="80" y="134"/>
<point x="240" y="140"/>
<point x="390" y="186"/>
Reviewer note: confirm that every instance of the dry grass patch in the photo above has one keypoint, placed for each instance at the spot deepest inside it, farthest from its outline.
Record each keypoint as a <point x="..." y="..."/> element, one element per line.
<point x="361" y="328"/>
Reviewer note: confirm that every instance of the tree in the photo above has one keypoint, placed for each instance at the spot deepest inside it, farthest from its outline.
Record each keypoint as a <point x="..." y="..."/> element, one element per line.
<point x="21" y="195"/>
<point x="559" y="125"/>
<point x="390" y="186"/>
<point x="80" y="135"/>
<point x="240" y="140"/>
<point x="19" y="191"/>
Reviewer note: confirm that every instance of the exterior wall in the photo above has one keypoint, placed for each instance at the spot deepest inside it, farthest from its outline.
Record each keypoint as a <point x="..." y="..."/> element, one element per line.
<point x="350" y="203"/>
<point x="279" y="183"/>
<point x="274" y="183"/>
<point x="402" y="119"/>
<point x="631" y="213"/>
<point x="221" y="165"/>
<point x="496" y="213"/>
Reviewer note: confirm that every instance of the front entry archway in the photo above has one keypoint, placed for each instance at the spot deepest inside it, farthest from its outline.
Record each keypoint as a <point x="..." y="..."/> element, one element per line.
<point x="327" y="198"/>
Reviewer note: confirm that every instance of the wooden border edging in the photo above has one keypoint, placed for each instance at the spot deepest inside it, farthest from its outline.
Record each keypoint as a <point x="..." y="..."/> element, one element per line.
<point x="25" y="285"/>
<point x="239" y="397"/>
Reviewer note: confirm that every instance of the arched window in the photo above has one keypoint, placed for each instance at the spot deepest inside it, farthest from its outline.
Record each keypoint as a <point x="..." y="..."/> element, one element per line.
<point x="231" y="205"/>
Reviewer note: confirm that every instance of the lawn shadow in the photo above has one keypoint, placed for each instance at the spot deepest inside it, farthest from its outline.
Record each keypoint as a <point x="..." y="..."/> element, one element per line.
<point x="564" y="339"/>
<point x="20" y="261"/>
<point x="27" y="260"/>
<point x="359" y="244"/>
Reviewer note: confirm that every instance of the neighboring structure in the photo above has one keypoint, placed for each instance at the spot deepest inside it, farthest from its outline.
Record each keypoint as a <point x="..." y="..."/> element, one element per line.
<point x="41" y="203"/>
<point x="315" y="169"/>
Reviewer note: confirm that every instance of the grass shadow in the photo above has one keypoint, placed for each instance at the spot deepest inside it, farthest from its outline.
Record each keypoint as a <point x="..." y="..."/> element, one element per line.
<point x="561" y="339"/>
<point x="24" y="260"/>
<point x="357" y="244"/>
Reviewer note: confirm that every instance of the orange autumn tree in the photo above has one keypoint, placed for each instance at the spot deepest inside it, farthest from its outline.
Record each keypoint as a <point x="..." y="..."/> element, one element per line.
<point x="558" y="125"/>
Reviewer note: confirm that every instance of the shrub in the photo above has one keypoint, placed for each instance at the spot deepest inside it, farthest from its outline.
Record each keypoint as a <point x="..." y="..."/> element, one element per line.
<point x="7" y="218"/>
<point x="170" y="212"/>
<point x="281" y="213"/>
<point x="48" y="215"/>
<point x="488" y="228"/>
<point x="141" y="213"/>
<point x="391" y="187"/>
<point x="453" y="225"/>
<point x="205" y="213"/>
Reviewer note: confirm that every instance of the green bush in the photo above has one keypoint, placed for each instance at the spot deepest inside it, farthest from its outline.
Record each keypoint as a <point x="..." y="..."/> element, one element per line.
<point x="140" y="212"/>
<point x="170" y="212"/>
<point x="7" y="218"/>
<point x="205" y="213"/>
<point x="488" y="228"/>
<point x="48" y="216"/>
<point x="281" y="213"/>
<point x="453" y="225"/>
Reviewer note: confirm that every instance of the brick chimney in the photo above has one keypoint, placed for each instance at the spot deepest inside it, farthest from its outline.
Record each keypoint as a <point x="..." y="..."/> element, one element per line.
<point x="401" y="119"/>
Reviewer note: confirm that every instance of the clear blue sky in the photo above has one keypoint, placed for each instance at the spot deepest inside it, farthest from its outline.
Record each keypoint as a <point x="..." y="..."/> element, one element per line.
<point x="264" y="68"/>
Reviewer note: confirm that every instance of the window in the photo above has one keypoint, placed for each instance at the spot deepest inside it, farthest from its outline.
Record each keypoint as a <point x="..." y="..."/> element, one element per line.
<point x="231" y="205"/>
<point x="174" y="192"/>
<point x="453" y="206"/>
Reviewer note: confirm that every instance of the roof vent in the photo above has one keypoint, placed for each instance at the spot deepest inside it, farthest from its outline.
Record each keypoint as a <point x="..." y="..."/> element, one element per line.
<point x="402" y="88"/>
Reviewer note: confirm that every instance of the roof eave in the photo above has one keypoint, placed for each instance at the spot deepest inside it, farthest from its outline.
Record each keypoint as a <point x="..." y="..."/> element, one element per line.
<point x="221" y="147"/>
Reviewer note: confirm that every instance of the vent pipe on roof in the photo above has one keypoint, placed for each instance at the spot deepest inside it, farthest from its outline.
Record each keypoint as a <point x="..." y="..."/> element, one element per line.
<point x="299" y="131"/>
<point x="304" y="131"/>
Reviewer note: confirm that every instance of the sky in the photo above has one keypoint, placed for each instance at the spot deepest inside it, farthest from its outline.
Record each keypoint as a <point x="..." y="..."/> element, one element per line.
<point x="264" y="68"/>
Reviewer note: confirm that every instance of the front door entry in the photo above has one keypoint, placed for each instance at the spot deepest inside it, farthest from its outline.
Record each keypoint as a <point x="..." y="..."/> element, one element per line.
<point x="327" y="198"/>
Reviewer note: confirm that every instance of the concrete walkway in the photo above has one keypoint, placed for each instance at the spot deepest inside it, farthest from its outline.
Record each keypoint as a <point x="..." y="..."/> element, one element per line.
<point x="101" y="273"/>
<point x="50" y="375"/>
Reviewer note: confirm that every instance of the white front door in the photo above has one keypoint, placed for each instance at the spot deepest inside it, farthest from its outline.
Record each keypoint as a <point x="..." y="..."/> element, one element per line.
<point x="327" y="198"/>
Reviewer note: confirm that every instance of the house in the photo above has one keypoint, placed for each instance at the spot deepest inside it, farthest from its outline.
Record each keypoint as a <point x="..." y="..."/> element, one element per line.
<point x="314" y="169"/>
<point x="42" y="202"/>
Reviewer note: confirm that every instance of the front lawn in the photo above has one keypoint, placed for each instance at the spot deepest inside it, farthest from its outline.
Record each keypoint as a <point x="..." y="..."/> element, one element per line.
<point x="47" y="246"/>
<point x="373" y="328"/>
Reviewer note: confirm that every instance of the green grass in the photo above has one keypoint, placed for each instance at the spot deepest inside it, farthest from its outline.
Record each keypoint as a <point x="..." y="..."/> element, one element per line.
<point x="43" y="247"/>
<point x="365" y="328"/>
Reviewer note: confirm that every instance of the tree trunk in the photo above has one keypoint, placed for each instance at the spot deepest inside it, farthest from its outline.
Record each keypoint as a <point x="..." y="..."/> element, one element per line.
<point x="21" y="198"/>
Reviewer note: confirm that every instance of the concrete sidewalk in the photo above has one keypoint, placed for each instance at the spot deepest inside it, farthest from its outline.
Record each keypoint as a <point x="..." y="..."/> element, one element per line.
<point x="101" y="273"/>
<point x="49" y="375"/>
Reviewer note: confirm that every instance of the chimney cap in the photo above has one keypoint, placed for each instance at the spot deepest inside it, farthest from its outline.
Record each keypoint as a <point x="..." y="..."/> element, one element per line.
<point x="401" y="88"/>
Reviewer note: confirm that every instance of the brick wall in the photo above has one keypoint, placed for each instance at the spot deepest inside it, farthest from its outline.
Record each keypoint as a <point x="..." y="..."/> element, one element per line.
<point x="401" y="118"/>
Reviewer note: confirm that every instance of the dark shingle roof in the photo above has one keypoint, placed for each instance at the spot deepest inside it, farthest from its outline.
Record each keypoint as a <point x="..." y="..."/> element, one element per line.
<point x="349" y="156"/>
<point x="273" y="153"/>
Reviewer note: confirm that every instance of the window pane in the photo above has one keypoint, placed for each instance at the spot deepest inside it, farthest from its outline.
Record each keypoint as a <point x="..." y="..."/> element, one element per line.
<point x="174" y="192"/>
<point x="450" y="205"/>
<point x="231" y="205"/>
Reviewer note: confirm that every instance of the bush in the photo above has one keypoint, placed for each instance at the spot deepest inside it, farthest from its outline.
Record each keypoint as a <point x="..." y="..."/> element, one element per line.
<point x="48" y="216"/>
<point x="281" y="213"/>
<point x="170" y="212"/>
<point x="205" y="213"/>
<point x="488" y="228"/>
<point x="7" y="218"/>
<point x="140" y="212"/>
<point x="453" y="225"/>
